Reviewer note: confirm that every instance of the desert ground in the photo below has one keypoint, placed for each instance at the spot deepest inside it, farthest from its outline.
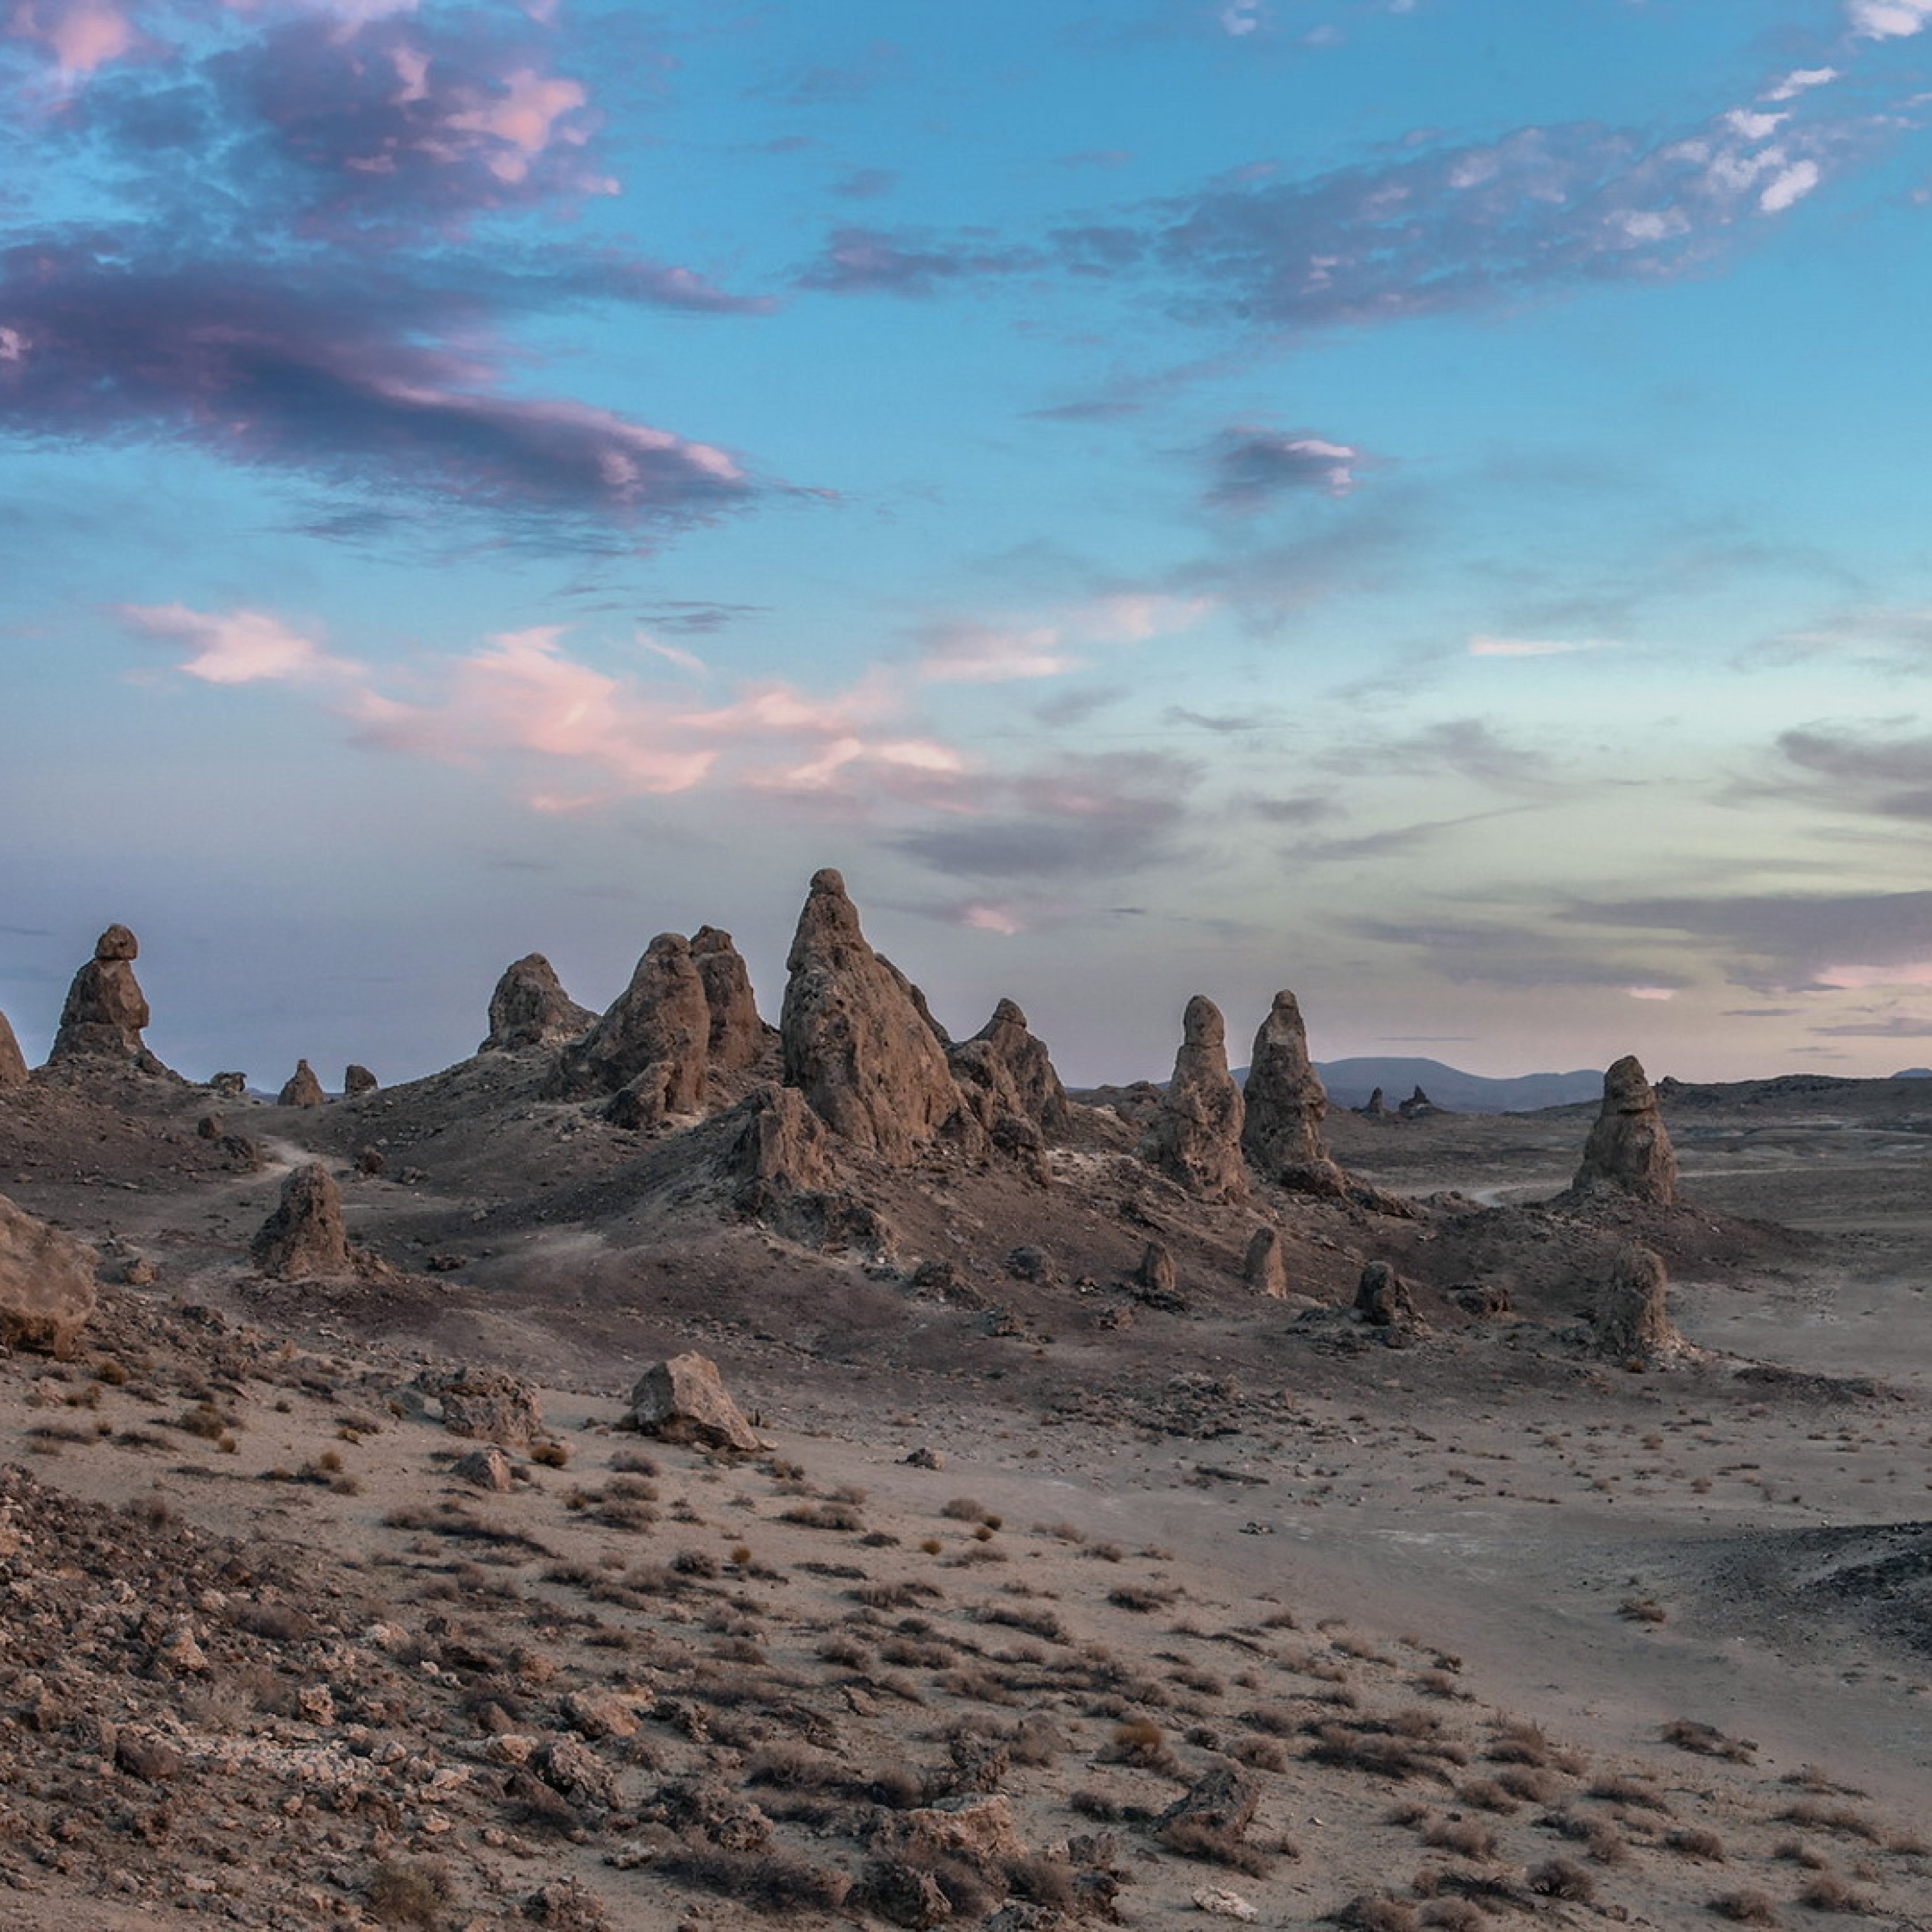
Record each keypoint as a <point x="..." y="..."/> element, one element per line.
<point x="1061" y="1590"/>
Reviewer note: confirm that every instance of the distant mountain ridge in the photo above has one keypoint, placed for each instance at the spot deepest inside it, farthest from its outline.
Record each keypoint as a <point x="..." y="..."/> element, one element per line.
<point x="1350" y="1082"/>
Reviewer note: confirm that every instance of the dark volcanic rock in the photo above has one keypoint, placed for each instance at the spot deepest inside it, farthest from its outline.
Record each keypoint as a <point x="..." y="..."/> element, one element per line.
<point x="1629" y="1150"/>
<point x="1631" y="1317"/>
<point x="654" y="1043"/>
<point x="857" y="1043"/>
<point x="303" y="1240"/>
<point x="1196" y="1138"/>
<point x="301" y="1088"/>
<point x="530" y="1008"/>
<point x="1285" y="1104"/>
<point x="738" y="1037"/>
<point x="105" y="1008"/>
<point x="13" y="1062"/>
<point x="46" y="1282"/>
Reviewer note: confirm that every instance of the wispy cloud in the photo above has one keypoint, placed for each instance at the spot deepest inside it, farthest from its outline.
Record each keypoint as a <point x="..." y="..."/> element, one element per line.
<point x="1249" y="467"/>
<point x="955" y="651"/>
<point x="240" y="646"/>
<point x="871" y="261"/>
<point x="1484" y="645"/>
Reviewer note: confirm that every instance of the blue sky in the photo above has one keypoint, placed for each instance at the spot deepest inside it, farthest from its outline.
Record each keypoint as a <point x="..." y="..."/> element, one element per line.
<point x="1422" y="501"/>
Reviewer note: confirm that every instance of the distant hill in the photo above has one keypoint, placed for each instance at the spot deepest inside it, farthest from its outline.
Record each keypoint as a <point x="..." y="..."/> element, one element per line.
<point x="1350" y="1082"/>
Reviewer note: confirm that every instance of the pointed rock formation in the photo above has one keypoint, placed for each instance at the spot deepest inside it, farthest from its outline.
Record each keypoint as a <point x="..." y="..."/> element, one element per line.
<point x="1629" y="1150"/>
<point x="46" y="1283"/>
<point x="1265" y="1266"/>
<point x="783" y="1147"/>
<point x="301" y="1088"/>
<point x="1417" y="1107"/>
<point x="1156" y="1273"/>
<point x="1381" y="1298"/>
<point x="357" y="1081"/>
<point x="303" y="1240"/>
<point x="1196" y="1138"/>
<point x="1373" y="1108"/>
<point x="1631" y="1317"/>
<point x="13" y="1061"/>
<point x="738" y="1037"/>
<point x="105" y="1008"/>
<point x="654" y="1044"/>
<point x="1285" y="1104"/>
<point x="1006" y="1076"/>
<point x="530" y="1008"/>
<point x="684" y="1399"/>
<point x="857" y="1043"/>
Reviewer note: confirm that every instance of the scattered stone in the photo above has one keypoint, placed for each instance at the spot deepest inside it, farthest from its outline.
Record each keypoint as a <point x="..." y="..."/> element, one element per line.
<point x="1629" y="1150"/>
<point x="530" y="1008"/>
<point x="924" y="1457"/>
<point x="683" y="1400"/>
<point x="1157" y="1271"/>
<point x="902" y="1894"/>
<point x="1265" y="1266"/>
<point x="1221" y="1805"/>
<point x="1196" y="1138"/>
<point x="304" y="1239"/>
<point x="653" y="1045"/>
<point x="738" y="1037"/>
<point x="1028" y="1263"/>
<point x="491" y="1407"/>
<point x="1284" y="1104"/>
<point x="357" y="1081"/>
<point x="243" y="1156"/>
<point x="301" y="1088"/>
<point x="1220" y="1903"/>
<point x="46" y="1283"/>
<point x="229" y="1086"/>
<point x="979" y="1830"/>
<point x="105" y="1008"/>
<point x="211" y="1127"/>
<point x="857" y="1042"/>
<point x="371" y="1161"/>
<point x="1631" y="1317"/>
<point x="13" y="1061"/>
<point x="487" y="1469"/>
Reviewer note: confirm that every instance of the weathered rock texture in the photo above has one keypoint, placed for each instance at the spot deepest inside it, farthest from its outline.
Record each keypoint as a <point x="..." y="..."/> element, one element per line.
<point x="738" y="1037"/>
<point x="301" y="1088"/>
<point x="654" y="1043"/>
<point x="857" y="1042"/>
<point x="46" y="1282"/>
<point x="783" y="1147"/>
<point x="1196" y="1138"/>
<point x="1631" y="1317"/>
<point x="1005" y="1076"/>
<point x="105" y="1008"/>
<point x="303" y="1240"/>
<point x="530" y="1008"/>
<point x="684" y="1400"/>
<point x="1381" y="1297"/>
<point x="13" y="1061"/>
<point x="1629" y="1150"/>
<point x="1265" y="1266"/>
<point x="357" y="1081"/>
<point x="486" y="1406"/>
<point x="1285" y="1104"/>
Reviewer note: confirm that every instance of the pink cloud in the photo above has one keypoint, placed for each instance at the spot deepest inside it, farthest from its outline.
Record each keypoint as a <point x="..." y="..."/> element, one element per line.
<point x="977" y="653"/>
<point x="1854" y="978"/>
<point x="524" y="120"/>
<point x="82" y="34"/>
<point x="240" y="646"/>
<point x="1482" y="646"/>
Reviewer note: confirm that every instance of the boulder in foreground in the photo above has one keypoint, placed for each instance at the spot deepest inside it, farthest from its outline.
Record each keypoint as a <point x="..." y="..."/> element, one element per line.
<point x="684" y="1400"/>
<point x="46" y="1282"/>
<point x="304" y="1239"/>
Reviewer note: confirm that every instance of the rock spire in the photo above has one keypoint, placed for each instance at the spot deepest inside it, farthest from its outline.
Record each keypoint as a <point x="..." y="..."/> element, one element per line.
<point x="654" y="1043"/>
<point x="530" y="1008"/>
<point x="738" y="1036"/>
<point x="1629" y="1150"/>
<point x="1196" y="1138"/>
<point x="1285" y="1104"/>
<point x="105" y="1008"/>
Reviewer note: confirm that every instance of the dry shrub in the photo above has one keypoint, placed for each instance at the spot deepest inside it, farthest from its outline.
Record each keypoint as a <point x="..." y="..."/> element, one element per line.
<point x="1260" y="1754"/>
<point x="1563" y="1878"/>
<point x="1379" y="1911"/>
<point x="965" y="1509"/>
<point x="1456" y="1914"/>
<point x="793" y="1768"/>
<point x="1831" y="1818"/>
<point x="771" y="1881"/>
<point x="1748" y="1908"/>
<point x="1489" y="1794"/>
<point x="1641" y="1610"/>
<point x="1620" y="1789"/>
<point x="1042" y="1623"/>
<point x="409" y="1893"/>
<point x="1828" y="1891"/>
<point x="1139" y="1742"/>
<point x="832" y="1515"/>
<point x="1465" y="1836"/>
<point x="1142" y="1598"/>
<point x="1707" y="1741"/>
<point x="1599" y="1836"/>
<point x="1695" y="1842"/>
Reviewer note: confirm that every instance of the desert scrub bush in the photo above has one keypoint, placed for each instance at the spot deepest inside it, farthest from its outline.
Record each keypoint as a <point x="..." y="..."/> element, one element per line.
<point x="1841" y="1818"/>
<point x="1620" y="1789"/>
<point x="1088" y="1803"/>
<point x="1142" y="1598"/>
<point x="966" y="1509"/>
<point x="791" y="1767"/>
<point x="910" y="1653"/>
<point x="1599" y="1837"/>
<point x="1379" y="1912"/>
<point x="826" y="1515"/>
<point x="1455" y="1915"/>
<point x="1707" y="1741"/>
<point x="1517" y="1741"/>
<point x="1214" y="1844"/>
<point x="408" y="1892"/>
<point x="1532" y="1786"/>
<point x="1831" y="1891"/>
<point x="1035" y="1622"/>
<point x="1695" y="1841"/>
<point x="1563" y="1878"/>
<point x="770" y="1881"/>
<point x="1466" y="1838"/>
<point x="1260" y="1754"/>
<point x="1140" y="1742"/>
<point x="1748" y="1908"/>
<point x="1489" y="1794"/>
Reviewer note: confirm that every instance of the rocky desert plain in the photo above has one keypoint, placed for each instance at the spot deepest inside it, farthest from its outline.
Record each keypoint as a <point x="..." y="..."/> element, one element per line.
<point x="673" y="1470"/>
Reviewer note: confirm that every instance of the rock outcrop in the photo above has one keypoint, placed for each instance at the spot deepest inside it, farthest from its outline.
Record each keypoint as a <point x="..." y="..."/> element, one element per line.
<point x="1264" y="1266"/>
<point x="105" y="1008"/>
<point x="1382" y="1299"/>
<point x="783" y="1147"/>
<point x="357" y="1081"/>
<point x="301" y="1088"/>
<point x="1196" y="1138"/>
<point x="304" y="1239"/>
<point x="739" y="1037"/>
<point x="856" y="1041"/>
<point x="1285" y="1105"/>
<point x="46" y="1283"/>
<point x="486" y="1406"/>
<point x="653" y="1046"/>
<point x="1373" y="1108"/>
<point x="1631" y="1319"/>
<point x="13" y="1061"/>
<point x="1006" y="1077"/>
<point x="1629" y="1150"/>
<point x="683" y="1400"/>
<point x="530" y="1008"/>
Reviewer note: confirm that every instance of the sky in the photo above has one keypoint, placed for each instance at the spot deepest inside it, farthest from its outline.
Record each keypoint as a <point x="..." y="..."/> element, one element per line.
<point x="1420" y="502"/>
